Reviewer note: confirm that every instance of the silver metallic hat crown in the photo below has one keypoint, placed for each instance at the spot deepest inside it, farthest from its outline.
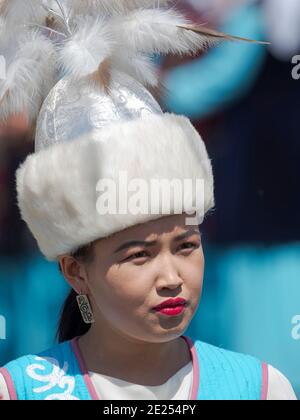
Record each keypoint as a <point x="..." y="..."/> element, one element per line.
<point x="74" y="109"/>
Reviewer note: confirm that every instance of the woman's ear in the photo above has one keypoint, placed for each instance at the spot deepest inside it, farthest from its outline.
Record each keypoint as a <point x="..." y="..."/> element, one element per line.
<point x="74" y="273"/>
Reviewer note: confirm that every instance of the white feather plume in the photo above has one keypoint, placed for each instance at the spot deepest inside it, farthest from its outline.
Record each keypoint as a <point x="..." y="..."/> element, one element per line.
<point x="139" y="66"/>
<point x="30" y="74"/>
<point x="113" y="6"/>
<point x="2" y="28"/>
<point x="157" y="31"/>
<point x="18" y="12"/>
<point x="119" y="34"/>
<point x="135" y="4"/>
<point x="90" y="44"/>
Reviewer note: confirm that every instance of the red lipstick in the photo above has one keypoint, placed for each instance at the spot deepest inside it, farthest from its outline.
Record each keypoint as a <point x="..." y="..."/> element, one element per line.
<point x="171" y="307"/>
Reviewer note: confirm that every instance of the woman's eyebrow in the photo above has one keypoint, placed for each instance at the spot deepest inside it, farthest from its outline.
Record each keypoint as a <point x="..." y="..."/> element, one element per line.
<point x="187" y="234"/>
<point x="152" y="243"/>
<point x="135" y="243"/>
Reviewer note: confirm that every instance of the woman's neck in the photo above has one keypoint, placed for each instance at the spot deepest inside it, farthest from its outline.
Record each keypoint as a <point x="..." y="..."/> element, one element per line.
<point x="131" y="360"/>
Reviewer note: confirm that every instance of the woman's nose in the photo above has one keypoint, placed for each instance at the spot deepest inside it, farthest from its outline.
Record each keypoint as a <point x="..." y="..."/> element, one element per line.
<point x="169" y="275"/>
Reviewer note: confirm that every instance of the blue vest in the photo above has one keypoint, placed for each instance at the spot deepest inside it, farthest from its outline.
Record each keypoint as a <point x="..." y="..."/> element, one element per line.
<point x="57" y="374"/>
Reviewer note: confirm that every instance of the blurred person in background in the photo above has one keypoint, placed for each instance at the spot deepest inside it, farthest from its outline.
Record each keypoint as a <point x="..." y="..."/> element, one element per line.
<point x="15" y="144"/>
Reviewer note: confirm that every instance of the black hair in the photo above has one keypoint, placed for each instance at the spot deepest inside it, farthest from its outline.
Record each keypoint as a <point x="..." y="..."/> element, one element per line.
<point x="71" y="323"/>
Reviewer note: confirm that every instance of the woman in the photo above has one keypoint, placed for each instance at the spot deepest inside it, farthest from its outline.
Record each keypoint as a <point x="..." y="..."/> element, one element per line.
<point x="134" y="261"/>
<point x="133" y="350"/>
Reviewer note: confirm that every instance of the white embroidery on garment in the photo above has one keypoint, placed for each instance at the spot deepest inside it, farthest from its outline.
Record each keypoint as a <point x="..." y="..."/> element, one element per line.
<point x="58" y="377"/>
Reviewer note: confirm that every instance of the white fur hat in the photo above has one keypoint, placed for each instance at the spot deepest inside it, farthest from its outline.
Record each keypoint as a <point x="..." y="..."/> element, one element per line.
<point x="96" y="121"/>
<point x="57" y="186"/>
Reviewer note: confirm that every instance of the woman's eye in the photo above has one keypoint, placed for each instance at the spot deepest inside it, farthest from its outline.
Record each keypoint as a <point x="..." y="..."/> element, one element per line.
<point x="137" y="255"/>
<point x="189" y="245"/>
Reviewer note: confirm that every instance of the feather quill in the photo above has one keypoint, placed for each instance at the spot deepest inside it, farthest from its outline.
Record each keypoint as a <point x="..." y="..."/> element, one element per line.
<point x="103" y="75"/>
<point x="218" y="36"/>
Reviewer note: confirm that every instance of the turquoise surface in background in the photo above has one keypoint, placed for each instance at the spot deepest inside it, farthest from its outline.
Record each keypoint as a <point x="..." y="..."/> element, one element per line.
<point x="250" y="297"/>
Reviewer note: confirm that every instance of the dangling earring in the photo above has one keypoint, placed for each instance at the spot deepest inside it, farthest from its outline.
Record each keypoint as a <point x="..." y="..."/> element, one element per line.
<point x="85" y="309"/>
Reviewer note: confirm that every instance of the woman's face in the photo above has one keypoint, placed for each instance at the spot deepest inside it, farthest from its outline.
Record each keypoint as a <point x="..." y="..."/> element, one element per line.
<point x="137" y="269"/>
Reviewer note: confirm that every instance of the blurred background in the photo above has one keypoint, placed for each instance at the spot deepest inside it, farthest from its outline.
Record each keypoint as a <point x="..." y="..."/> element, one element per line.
<point x="245" y="101"/>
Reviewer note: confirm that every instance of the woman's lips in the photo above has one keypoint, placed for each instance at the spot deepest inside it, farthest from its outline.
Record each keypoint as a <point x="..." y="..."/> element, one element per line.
<point x="172" y="311"/>
<point x="171" y="307"/>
